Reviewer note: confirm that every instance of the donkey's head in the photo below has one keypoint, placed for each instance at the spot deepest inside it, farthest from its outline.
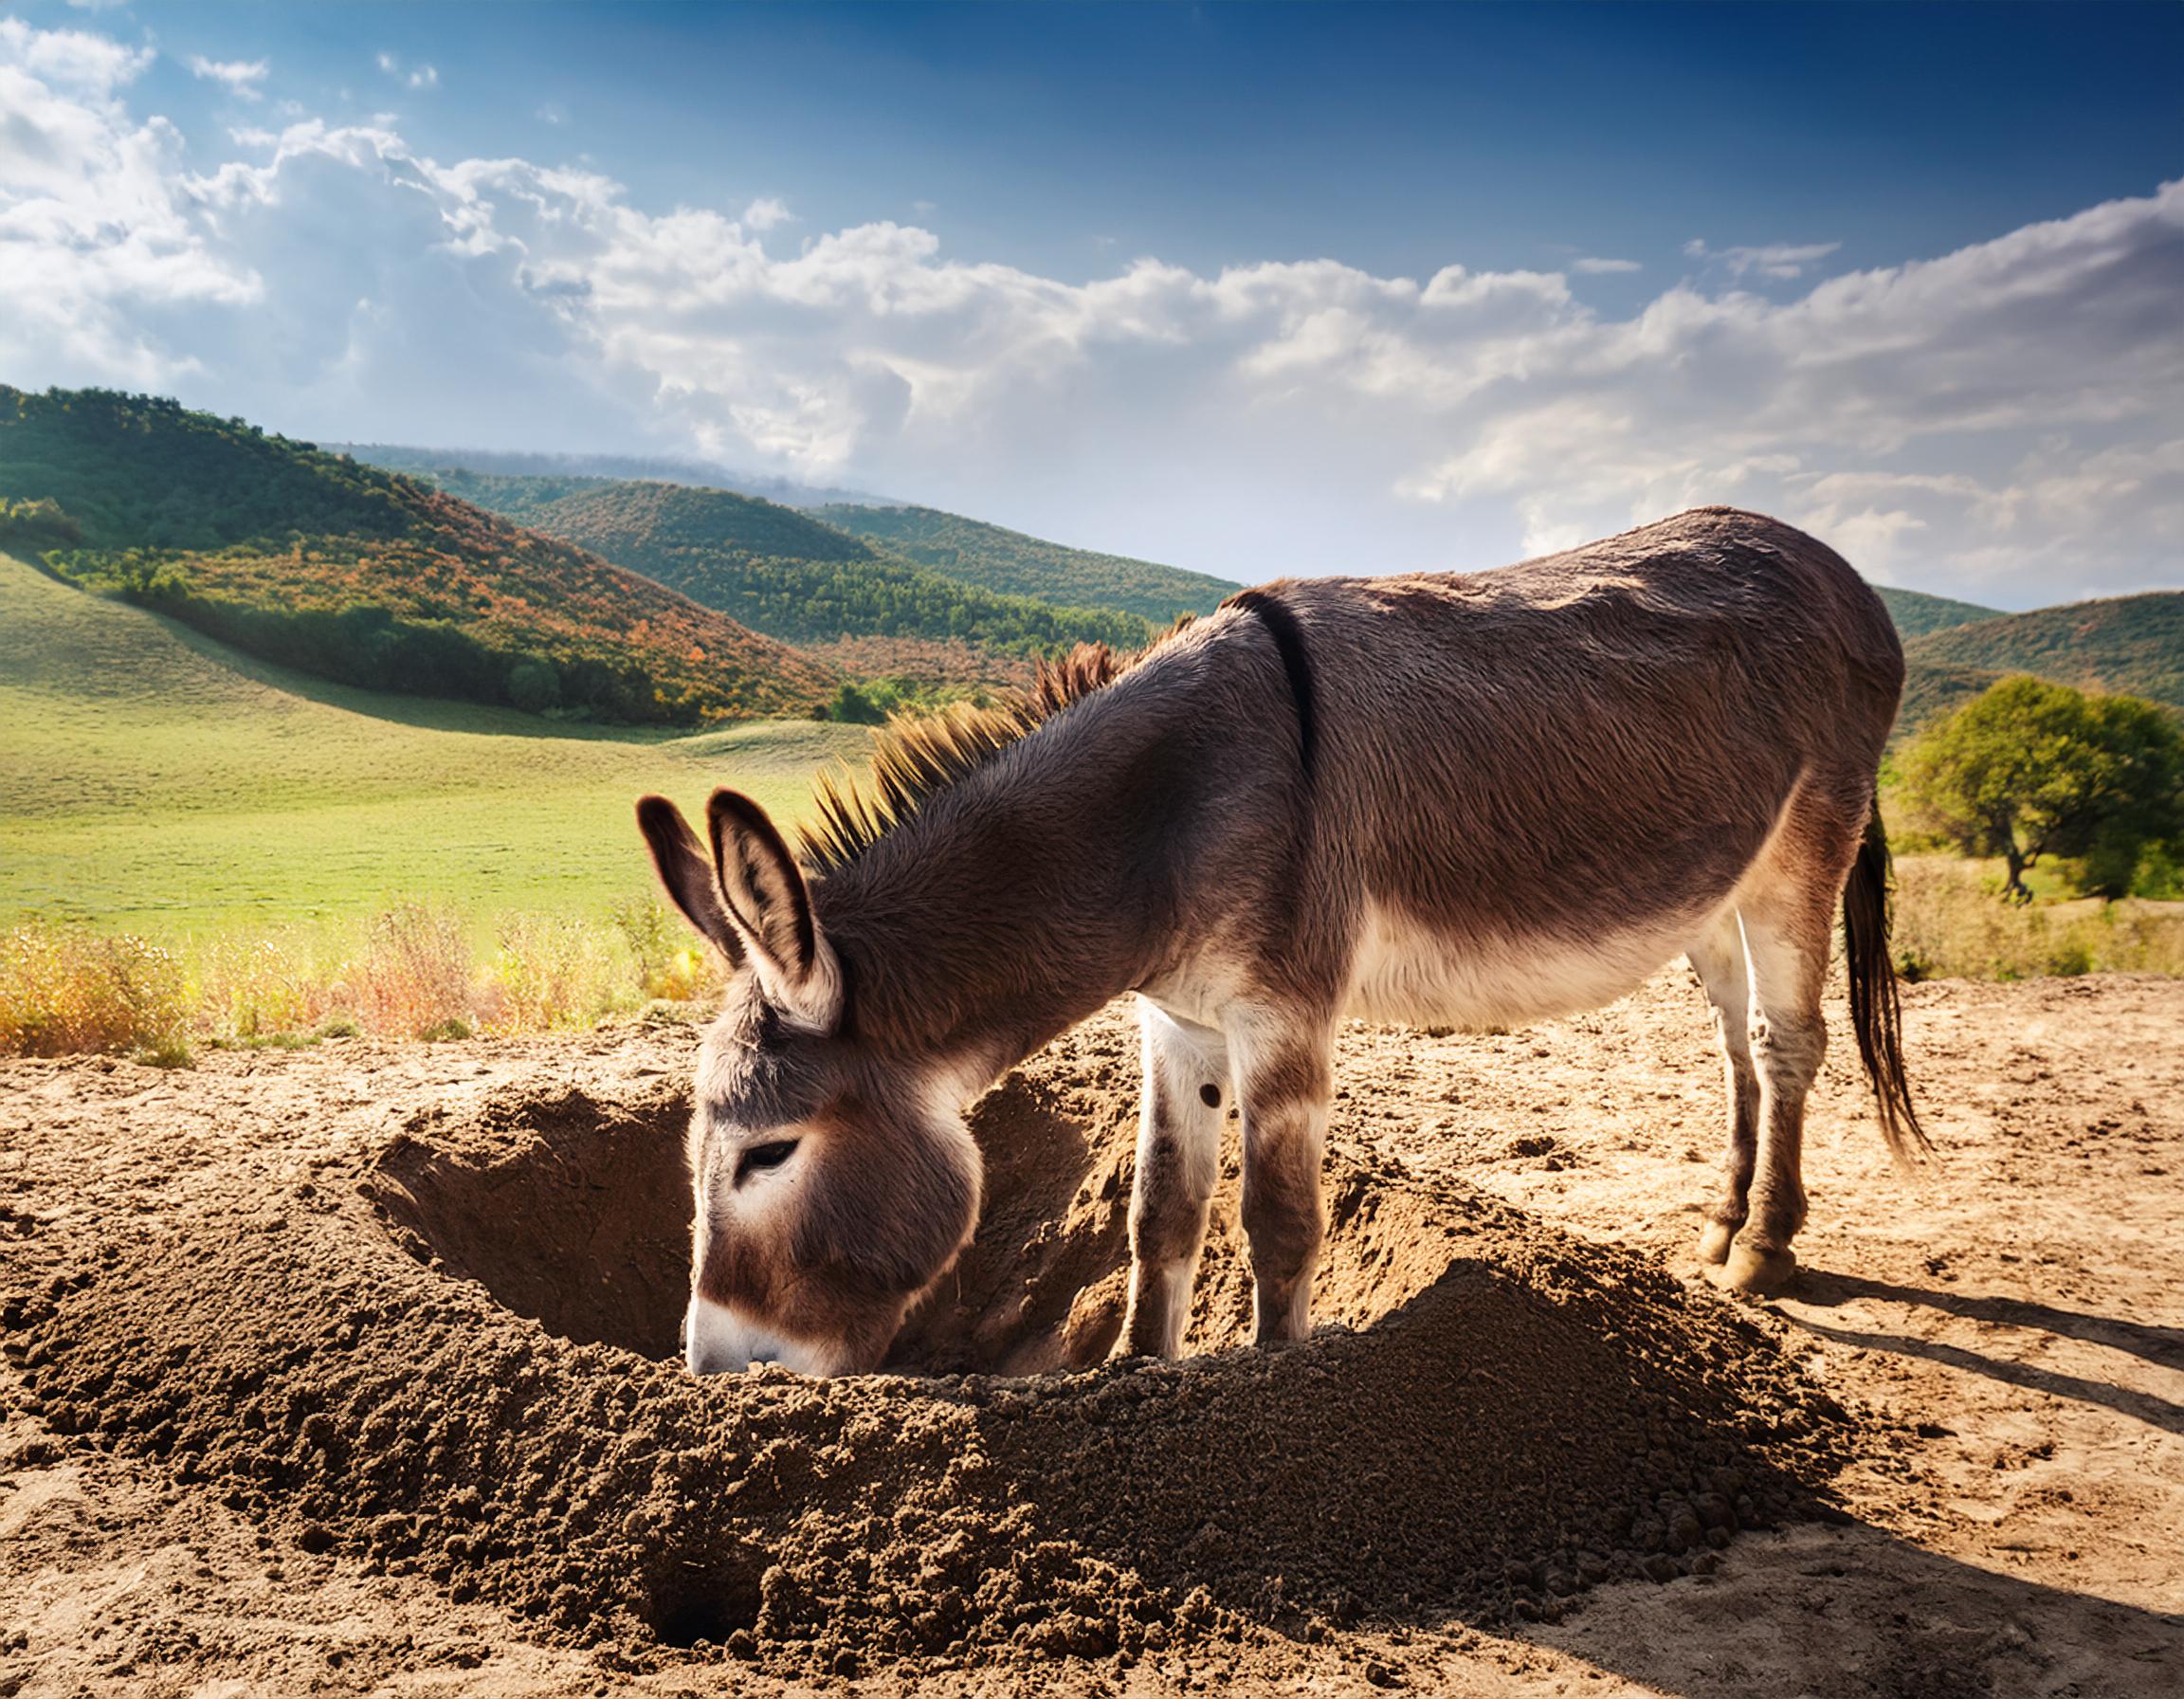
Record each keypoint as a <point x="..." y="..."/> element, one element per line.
<point x="834" y="1183"/>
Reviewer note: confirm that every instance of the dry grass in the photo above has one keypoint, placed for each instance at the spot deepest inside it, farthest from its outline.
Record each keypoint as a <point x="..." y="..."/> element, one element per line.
<point x="553" y="971"/>
<point x="64" y="991"/>
<point x="1952" y="924"/>
<point x="413" y="972"/>
<point x="414" y="977"/>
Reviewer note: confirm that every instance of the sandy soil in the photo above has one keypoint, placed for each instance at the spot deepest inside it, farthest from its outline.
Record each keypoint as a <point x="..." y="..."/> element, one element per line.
<point x="2006" y="1334"/>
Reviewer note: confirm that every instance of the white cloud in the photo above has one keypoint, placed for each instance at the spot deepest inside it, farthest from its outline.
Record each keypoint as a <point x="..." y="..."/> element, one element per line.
<point x="1781" y="260"/>
<point x="416" y="76"/>
<point x="1999" y="422"/>
<point x="1593" y="266"/>
<point x="242" y="76"/>
<point x="767" y="212"/>
<point x="553" y="112"/>
<point x="71" y="60"/>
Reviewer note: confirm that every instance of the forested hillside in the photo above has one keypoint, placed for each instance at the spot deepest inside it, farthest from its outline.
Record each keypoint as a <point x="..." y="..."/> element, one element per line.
<point x="1932" y="688"/>
<point x="1020" y="565"/>
<point x="782" y="572"/>
<point x="356" y="575"/>
<point x="638" y="511"/>
<point x="1916" y="613"/>
<point x="2132" y="644"/>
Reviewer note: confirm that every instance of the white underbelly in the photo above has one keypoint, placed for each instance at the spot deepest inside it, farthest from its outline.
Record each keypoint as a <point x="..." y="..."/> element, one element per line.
<point x="1407" y="972"/>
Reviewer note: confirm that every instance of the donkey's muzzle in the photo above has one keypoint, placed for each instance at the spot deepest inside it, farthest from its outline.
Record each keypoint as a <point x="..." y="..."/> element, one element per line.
<point x="718" y="1339"/>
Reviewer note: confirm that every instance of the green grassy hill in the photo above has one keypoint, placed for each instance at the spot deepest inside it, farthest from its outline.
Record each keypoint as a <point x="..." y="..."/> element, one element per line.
<point x="158" y="781"/>
<point x="357" y="575"/>
<point x="781" y="571"/>
<point x="1020" y="565"/>
<point x="2133" y="645"/>
<point x="1916" y="613"/>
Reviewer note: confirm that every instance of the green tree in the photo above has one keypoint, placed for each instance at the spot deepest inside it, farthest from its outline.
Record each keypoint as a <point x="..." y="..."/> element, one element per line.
<point x="2028" y="769"/>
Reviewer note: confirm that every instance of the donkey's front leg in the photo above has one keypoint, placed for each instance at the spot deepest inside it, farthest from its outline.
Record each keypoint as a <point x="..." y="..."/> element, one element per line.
<point x="1284" y="1070"/>
<point x="1179" y="1114"/>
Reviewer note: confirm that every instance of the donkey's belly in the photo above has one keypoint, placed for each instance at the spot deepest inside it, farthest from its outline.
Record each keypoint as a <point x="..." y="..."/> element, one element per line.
<point x="1405" y="970"/>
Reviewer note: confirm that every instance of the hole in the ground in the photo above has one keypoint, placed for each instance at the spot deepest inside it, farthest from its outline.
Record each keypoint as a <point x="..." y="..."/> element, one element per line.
<point x="701" y="1598"/>
<point x="577" y="1214"/>
<point x="568" y="1211"/>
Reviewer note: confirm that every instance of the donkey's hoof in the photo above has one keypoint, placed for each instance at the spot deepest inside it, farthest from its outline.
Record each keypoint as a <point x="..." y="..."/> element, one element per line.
<point x="1760" y="1272"/>
<point x="1714" y="1244"/>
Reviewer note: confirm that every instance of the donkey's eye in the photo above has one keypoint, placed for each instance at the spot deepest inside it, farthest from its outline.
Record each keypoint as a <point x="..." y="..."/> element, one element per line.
<point x="762" y="1157"/>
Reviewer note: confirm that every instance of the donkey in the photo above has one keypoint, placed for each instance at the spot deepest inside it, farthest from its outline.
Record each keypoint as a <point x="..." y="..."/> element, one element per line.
<point x="1469" y="799"/>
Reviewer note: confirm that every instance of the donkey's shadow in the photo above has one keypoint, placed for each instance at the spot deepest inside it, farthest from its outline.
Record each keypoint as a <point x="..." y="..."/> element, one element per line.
<point x="2164" y="1346"/>
<point x="1852" y="1609"/>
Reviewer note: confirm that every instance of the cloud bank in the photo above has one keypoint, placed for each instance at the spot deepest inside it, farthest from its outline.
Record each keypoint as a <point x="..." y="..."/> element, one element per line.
<point x="2001" y="422"/>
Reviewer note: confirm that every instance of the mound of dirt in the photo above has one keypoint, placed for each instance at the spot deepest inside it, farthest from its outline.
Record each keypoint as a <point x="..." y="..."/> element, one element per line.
<point x="454" y="1355"/>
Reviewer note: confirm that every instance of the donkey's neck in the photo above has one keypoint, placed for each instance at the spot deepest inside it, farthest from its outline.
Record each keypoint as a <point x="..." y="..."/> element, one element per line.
<point x="1019" y="899"/>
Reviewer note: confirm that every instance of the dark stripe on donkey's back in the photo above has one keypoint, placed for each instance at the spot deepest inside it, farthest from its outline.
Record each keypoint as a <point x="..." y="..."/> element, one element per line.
<point x="1281" y="623"/>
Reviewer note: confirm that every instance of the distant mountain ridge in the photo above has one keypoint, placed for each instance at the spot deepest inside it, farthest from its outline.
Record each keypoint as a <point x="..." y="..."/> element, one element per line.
<point x="1916" y="613"/>
<point x="782" y="572"/>
<point x="1021" y="565"/>
<point x="497" y="587"/>
<point x="361" y="575"/>
<point x="2132" y="645"/>
<point x="661" y="469"/>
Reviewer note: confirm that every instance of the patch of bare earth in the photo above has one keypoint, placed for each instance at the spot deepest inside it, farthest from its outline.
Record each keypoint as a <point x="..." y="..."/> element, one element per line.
<point x="339" y="1371"/>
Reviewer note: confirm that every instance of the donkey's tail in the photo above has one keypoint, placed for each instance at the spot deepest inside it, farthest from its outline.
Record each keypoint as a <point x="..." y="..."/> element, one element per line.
<point x="1874" y="1013"/>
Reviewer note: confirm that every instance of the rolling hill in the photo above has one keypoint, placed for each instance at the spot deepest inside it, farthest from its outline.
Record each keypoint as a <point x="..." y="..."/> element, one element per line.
<point x="782" y="572"/>
<point x="2133" y="645"/>
<point x="1020" y="565"/>
<point x="368" y="578"/>
<point x="1916" y="613"/>
<point x="159" y="781"/>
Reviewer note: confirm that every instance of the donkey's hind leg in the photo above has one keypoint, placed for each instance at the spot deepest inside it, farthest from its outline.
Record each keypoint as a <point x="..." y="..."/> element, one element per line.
<point x="1717" y="958"/>
<point x="1180" y="1113"/>
<point x="1786" y="935"/>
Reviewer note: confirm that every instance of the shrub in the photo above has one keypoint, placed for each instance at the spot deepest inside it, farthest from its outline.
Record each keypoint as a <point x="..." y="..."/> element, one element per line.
<point x="552" y="971"/>
<point x="672" y="965"/>
<point x="535" y="686"/>
<point x="62" y="990"/>
<point x="251" y="990"/>
<point x="413" y="977"/>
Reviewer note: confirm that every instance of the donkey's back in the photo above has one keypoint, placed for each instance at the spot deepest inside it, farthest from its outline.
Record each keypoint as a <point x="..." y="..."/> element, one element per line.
<point x="1532" y="786"/>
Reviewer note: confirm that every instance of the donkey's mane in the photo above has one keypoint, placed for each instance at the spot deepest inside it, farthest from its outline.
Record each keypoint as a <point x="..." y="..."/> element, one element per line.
<point x="916" y="755"/>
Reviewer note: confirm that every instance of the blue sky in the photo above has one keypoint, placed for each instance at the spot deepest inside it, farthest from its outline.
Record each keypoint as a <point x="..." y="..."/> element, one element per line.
<point x="1252" y="289"/>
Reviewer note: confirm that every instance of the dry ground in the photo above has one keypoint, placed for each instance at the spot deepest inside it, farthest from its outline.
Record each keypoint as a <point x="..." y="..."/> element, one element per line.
<point x="2018" y="1311"/>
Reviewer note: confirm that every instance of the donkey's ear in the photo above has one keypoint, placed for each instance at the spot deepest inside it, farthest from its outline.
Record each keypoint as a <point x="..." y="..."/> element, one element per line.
<point x="688" y="875"/>
<point x="772" y="907"/>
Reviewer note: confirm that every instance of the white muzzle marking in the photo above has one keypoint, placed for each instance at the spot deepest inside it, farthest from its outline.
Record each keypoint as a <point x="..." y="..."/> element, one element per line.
<point x="718" y="1340"/>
